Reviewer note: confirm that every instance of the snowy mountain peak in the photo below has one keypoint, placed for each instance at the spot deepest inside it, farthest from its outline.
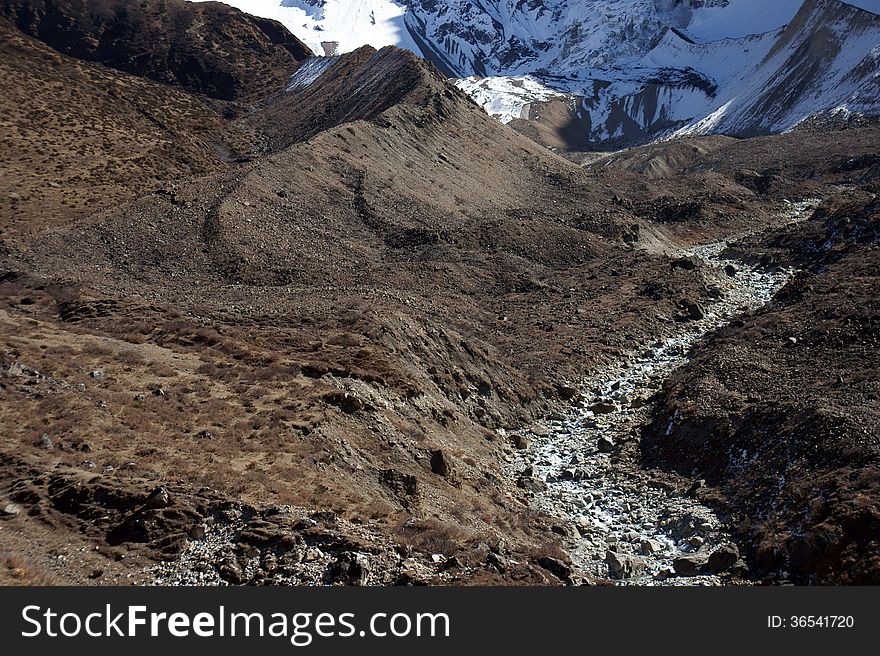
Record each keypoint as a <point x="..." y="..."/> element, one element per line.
<point x="617" y="72"/>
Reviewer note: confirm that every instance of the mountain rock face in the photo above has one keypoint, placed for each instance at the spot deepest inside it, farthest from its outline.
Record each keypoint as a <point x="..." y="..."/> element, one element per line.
<point x="503" y="37"/>
<point x="205" y="48"/>
<point x="587" y="74"/>
<point x="663" y="80"/>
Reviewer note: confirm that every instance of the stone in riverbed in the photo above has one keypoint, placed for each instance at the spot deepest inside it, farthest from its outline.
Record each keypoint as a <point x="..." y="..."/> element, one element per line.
<point x="694" y="310"/>
<point x="623" y="566"/>
<point x="603" y="408"/>
<point x="605" y="445"/>
<point x="723" y="558"/>
<point x="689" y="565"/>
<point x="649" y="547"/>
<point x="531" y="484"/>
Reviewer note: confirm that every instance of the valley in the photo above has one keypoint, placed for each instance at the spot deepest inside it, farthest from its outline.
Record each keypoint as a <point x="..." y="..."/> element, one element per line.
<point x="268" y="318"/>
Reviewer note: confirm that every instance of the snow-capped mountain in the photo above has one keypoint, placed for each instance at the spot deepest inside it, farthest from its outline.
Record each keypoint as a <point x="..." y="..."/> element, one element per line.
<point x="331" y="27"/>
<point x="617" y="72"/>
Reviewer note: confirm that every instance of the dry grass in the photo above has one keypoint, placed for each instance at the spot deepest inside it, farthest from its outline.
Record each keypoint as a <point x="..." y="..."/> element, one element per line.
<point x="15" y="570"/>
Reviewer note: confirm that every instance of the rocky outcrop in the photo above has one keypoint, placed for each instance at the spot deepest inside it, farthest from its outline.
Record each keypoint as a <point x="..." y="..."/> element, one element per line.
<point x="209" y="49"/>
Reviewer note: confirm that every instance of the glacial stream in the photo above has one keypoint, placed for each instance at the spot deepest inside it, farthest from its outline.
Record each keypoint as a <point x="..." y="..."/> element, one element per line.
<point x="626" y="528"/>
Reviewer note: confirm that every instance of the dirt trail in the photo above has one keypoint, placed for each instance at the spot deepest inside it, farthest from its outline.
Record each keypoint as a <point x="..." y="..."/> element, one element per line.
<point x="628" y="527"/>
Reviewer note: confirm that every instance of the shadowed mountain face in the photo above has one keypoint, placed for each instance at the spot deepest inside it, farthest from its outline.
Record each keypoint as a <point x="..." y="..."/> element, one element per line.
<point x="210" y="48"/>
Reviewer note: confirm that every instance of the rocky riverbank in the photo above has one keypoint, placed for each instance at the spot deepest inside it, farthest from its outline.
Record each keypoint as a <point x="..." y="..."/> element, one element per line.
<point x="622" y="522"/>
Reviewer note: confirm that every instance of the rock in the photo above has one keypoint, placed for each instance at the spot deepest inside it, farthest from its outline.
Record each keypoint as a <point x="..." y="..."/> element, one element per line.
<point x="715" y="292"/>
<point x="247" y="550"/>
<point x="723" y="558"/>
<point x="605" y="445"/>
<point x="11" y="509"/>
<point x="96" y="573"/>
<point x="440" y="464"/>
<point x="623" y="567"/>
<point x="730" y="270"/>
<point x="197" y="532"/>
<point x="159" y="498"/>
<point x="540" y="430"/>
<point x="349" y="569"/>
<point x="404" y="486"/>
<point x="313" y="554"/>
<point x="688" y="565"/>
<point x="556" y="567"/>
<point x="686" y="263"/>
<point x="159" y="392"/>
<point x="531" y="484"/>
<point x="603" y="408"/>
<point x="694" y="310"/>
<point x="696" y="541"/>
<point x="230" y="572"/>
<point x="567" y="392"/>
<point x="305" y="523"/>
<point x="740" y="569"/>
<point x="649" y="547"/>
<point x="793" y="341"/>
<point x="663" y="574"/>
<point x="520" y="442"/>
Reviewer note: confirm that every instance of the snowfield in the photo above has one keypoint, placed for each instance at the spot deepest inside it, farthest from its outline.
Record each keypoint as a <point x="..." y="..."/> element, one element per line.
<point x="349" y="24"/>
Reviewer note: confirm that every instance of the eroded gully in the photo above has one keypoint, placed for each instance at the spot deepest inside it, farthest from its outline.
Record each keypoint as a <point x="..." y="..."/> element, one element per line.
<point x="627" y="527"/>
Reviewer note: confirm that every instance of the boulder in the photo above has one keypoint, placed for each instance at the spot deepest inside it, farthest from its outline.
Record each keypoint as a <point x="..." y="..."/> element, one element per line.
<point x="723" y="558"/>
<point x="694" y="310"/>
<point x="11" y="509"/>
<point x="531" y="484"/>
<point x="686" y="263"/>
<point x="603" y="408"/>
<point x="440" y="464"/>
<point x="556" y="567"/>
<point x="623" y="566"/>
<point x="567" y="392"/>
<point x="605" y="445"/>
<point x="649" y="547"/>
<point x="348" y="569"/>
<point x="540" y="430"/>
<point x="689" y="565"/>
<point x="158" y="498"/>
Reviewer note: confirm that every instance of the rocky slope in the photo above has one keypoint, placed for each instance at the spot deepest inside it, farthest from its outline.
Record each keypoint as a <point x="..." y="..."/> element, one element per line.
<point x="778" y="413"/>
<point x="314" y="359"/>
<point x="78" y="136"/>
<point x="204" y="48"/>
